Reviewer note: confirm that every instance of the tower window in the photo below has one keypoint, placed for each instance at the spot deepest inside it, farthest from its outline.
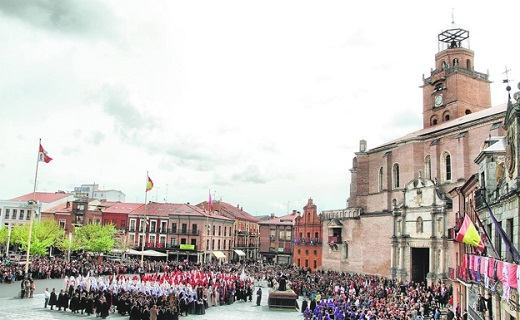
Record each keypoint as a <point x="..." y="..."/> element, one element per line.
<point x="455" y="62"/>
<point x="446" y="117"/>
<point x="468" y="64"/>
<point x="467" y="111"/>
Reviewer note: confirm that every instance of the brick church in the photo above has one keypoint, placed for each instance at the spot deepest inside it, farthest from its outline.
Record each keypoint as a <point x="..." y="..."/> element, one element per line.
<point x="399" y="217"/>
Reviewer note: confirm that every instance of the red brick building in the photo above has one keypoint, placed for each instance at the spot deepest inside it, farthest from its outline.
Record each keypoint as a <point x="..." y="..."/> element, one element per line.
<point x="308" y="238"/>
<point x="277" y="238"/>
<point x="398" y="215"/>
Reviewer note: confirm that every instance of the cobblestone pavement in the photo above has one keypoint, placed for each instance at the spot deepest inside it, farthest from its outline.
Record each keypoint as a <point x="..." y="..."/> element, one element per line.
<point x="13" y="308"/>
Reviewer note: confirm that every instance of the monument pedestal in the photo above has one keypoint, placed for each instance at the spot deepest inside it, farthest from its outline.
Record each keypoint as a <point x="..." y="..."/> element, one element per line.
<point x="283" y="299"/>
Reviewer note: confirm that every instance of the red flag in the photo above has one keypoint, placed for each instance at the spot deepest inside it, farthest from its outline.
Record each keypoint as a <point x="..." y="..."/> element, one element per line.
<point x="42" y="155"/>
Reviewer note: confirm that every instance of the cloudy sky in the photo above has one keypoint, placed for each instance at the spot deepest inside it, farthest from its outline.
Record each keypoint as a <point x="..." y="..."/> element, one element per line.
<point x="261" y="102"/>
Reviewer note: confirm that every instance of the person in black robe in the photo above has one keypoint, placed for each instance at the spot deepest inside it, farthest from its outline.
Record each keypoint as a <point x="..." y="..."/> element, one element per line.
<point x="145" y="314"/>
<point x="304" y="305"/>
<point x="312" y="305"/>
<point x="135" y="313"/>
<point x="89" y="307"/>
<point x="104" y="307"/>
<point x="74" y="303"/>
<point x="258" y="296"/>
<point x="23" y="288"/>
<point x="83" y="302"/>
<point x="53" y="300"/>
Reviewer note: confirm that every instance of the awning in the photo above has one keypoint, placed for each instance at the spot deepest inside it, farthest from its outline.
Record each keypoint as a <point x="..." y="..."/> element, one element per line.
<point x="219" y="254"/>
<point x="240" y="252"/>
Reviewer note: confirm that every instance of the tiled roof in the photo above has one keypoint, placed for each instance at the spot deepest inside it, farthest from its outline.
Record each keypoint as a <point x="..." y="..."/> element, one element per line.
<point x="456" y="123"/>
<point x="166" y="209"/>
<point x="45" y="197"/>
<point x="62" y="207"/>
<point x="122" y="207"/>
<point x="237" y="213"/>
<point x="288" y="219"/>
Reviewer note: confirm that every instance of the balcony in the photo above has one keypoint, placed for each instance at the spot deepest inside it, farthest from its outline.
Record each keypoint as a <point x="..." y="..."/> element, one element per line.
<point x="334" y="239"/>
<point x="307" y="241"/>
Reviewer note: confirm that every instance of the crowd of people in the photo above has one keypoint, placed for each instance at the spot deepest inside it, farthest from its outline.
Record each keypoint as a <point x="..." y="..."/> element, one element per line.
<point x="165" y="290"/>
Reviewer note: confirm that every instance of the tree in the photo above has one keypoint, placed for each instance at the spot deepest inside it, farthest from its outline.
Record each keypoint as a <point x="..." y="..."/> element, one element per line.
<point x="96" y="238"/>
<point x="43" y="235"/>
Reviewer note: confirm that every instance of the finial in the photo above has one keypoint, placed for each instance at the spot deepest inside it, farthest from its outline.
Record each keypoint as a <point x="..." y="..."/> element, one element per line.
<point x="507" y="80"/>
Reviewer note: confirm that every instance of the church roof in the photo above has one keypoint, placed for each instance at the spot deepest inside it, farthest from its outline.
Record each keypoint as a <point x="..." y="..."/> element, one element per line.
<point x="455" y="124"/>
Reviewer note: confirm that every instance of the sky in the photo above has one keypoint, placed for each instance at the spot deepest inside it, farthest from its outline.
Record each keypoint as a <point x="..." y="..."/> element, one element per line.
<point x="261" y="103"/>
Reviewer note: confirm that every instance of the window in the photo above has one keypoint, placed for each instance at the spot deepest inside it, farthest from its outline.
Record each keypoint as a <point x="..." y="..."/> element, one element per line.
<point x="193" y="242"/>
<point x="315" y="253"/>
<point x="174" y="227"/>
<point x="380" y="179"/>
<point x="395" y="172"/>
<point x="62" y="223"/>
<point x="132" y="225"/>
<point x="467" y="111"/>
<point x="315" y="264"/>
<point x="495" y="125"/>
<point x="194" y="228"/>
<point x="219" y="231"/>
<point x="307" y="252"/>
<point x="468" y="64"/>
<point x="213" y="244"/>
<point x="21" y="215"/>
<point x="7" y="211"/>
<point x="218" y="244"/>
<point x="447" y="166"/>
<point x="173" y="242"/>
<point x="225" y="230"/>
<point x="13" y="214"/>
<point x="213" y="229"/>
<point x="455" y="62"/>
<point x="446" y="117"/>
<point x="434" y="121"/>
<point x="184" y="228"/>
<point x="346" y="250"/>
<point x="428" y="167"/>
<point x="153" y="225"/>
<point x="435" y="142"/>
<point x="183" y="241"/>
<point x="28" y="216"/>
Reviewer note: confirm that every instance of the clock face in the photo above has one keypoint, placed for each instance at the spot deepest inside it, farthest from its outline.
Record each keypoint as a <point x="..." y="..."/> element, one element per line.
<point x="438" y="100"/>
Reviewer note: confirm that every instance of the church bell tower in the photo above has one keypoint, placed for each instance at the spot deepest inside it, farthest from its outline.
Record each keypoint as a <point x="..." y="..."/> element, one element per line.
<point x="454" y="88"/>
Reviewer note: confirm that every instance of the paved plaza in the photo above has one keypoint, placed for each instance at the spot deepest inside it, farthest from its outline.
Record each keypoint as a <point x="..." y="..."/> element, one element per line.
<point x="12" y="307"/>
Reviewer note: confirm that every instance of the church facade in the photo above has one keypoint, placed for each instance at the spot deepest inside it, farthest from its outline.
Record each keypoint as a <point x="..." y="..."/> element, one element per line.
<point x="399" y="217"/>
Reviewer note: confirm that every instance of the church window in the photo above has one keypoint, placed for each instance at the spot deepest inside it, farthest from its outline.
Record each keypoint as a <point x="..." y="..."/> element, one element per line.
<point x="428" y="167"/>
<point x="446" y="117"/>
<point x="435" y="142"/>
<point x="467" y="111"/>
<point x="433" y="120"/>
<point x="446" y="161"/>
<point x="495" y="125"/>
<point x="380" y="179"/>
<point x="395" y="172"/>
<point x="455" y="62"/>
<point x="444" y="65"/>
<point x="468" y="64"/>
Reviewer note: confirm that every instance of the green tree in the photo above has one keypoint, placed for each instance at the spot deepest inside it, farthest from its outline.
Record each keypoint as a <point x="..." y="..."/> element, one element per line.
<point x="96" y="238"/>
<point x="44" y="234"/>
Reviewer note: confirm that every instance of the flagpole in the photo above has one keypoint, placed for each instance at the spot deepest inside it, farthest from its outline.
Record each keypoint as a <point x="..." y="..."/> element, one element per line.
<point x="144" y="228"/>
<point x="32" y="202"/>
